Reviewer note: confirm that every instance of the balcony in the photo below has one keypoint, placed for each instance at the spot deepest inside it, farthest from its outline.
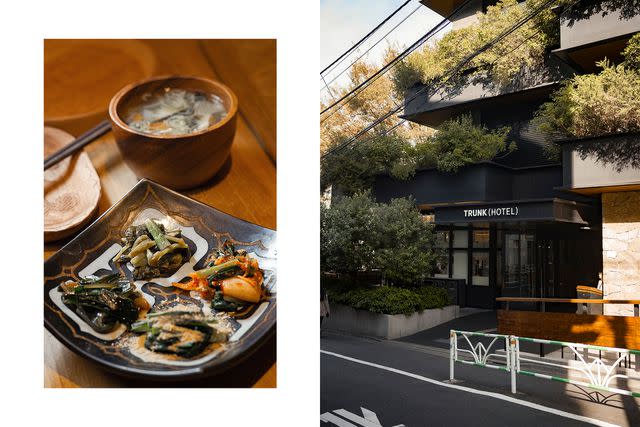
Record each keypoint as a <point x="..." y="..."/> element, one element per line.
<point x="586" y="41"/>
<point x="478" y="93"/>
<point x="597" y="165"/>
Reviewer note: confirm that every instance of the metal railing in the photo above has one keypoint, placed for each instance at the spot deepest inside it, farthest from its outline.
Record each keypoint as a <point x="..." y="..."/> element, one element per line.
<point x="597" y="373"/>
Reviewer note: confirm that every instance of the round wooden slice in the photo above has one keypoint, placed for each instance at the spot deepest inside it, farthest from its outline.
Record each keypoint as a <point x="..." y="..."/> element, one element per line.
<point x="71" y="189"/>
<point x="81" y="77"/>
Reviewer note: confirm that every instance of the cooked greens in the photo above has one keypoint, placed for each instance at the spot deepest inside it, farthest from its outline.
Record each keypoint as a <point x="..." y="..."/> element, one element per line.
<point x="103" y="302"/>
<point x="182" y="333"/>
<point x="153" y="251"/>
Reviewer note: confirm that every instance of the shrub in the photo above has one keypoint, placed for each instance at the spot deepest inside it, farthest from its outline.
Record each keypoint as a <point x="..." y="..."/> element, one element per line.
<point x="459" y="142"/>
<point x="352" y="169"/>
<point x="593" y="104"/>
<point x="631" y="53"/>
<point x="392" y="300"/>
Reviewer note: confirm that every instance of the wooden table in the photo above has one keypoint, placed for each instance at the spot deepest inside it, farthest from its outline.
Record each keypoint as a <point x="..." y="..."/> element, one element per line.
<point x="246" y="187"/>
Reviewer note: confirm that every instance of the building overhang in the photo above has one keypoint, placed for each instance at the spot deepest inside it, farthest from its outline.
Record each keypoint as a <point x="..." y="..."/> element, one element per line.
<point x="432" y="111"/>
<point x="532" y="210"/>
<point x="601" y="164"/>
<point x="584" y="57"/>
<point x="442" y="7"/>
<point x="586" y="40"/>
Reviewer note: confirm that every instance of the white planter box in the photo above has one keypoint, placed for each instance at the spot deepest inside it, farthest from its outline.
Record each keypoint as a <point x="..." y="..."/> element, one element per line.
<point x="388" y="326"/>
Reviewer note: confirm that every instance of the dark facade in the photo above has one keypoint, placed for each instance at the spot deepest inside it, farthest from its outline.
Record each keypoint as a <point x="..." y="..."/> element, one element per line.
<point x="520" y="225"/>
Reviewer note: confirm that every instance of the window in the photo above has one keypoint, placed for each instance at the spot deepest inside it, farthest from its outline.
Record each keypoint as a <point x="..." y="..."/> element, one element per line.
<point x="480" y="268"/>
<point x="480" y="238"/>
<point x="442" y="264"/>
<point x="442" y="239"/>
<point x="460" y="238"/>
<point x="460" y="265"/>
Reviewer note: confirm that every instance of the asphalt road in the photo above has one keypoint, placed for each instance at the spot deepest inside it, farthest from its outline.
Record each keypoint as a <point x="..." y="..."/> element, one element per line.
<point x="392" y="383"/>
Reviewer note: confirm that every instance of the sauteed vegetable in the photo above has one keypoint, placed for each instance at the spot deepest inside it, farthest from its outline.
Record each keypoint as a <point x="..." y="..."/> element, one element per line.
<point x="182" y="333"/>
<point x="153" y="251"/>
<point x="104" y="302"/>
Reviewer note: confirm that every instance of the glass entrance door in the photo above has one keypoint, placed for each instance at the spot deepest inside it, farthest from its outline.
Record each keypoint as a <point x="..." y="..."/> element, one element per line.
<point x="546" y="268"/>
<point x="519" y="265"/>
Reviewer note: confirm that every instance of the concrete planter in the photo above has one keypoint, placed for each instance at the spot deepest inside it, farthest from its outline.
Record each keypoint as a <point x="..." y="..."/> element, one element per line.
<point x="388" y="326"/>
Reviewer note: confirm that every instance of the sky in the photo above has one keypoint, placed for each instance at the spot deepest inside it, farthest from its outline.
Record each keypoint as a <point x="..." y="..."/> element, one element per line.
<point x="344" y="22"/>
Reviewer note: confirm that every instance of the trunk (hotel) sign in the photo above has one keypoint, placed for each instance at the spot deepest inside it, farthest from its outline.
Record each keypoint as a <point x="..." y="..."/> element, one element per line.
<point x="491" y="212"/>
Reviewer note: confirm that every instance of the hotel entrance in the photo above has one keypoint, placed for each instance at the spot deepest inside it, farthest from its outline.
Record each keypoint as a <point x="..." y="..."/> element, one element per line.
<point x="545" y="260"/>
<point x="539" y="248"/>
<point x="530" y="269"/>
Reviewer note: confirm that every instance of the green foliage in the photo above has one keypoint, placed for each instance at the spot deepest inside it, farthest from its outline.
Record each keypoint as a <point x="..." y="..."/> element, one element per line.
<point x="593" y="104"/>
<point x="392" y="300"/>
<point x="631" y="53"/>
<point x="352" y="169"/>
<point x="359" y="234"/>
<point x="404" y="242"/>
<point x="500" y="63"/>
<point x="345" y="234"/>
<point x="459" y="142"/>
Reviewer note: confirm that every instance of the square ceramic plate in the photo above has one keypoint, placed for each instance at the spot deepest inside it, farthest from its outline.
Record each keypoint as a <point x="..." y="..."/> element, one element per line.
<point x="204" y="229"/>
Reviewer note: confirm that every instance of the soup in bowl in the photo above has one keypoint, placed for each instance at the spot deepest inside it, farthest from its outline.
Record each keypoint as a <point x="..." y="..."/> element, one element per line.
<point x="175" y="130"/>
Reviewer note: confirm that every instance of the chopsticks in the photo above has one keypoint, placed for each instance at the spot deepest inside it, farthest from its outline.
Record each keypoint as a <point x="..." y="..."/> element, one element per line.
<point x="78" y="144"/>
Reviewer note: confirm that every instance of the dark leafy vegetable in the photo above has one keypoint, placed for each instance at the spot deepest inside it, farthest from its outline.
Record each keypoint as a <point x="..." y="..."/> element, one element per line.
<point x="218" y="303"/>
<point x="102" y="302"/>
<point x="182" y="333"/>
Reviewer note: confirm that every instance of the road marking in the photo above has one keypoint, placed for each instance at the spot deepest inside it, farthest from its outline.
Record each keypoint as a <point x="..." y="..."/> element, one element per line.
<point x="474" y="391"/>
<point x="369" y="418"/>
<point x="328" y="417"/>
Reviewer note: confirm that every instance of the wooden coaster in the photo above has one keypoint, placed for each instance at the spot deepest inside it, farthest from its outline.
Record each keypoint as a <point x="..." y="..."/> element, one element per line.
<point x="71" y="189"/>
<point x="81" y="77"/>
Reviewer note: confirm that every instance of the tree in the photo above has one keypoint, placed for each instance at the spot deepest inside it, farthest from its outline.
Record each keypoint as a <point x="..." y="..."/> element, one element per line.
<point x="399" y="153"/>
<point x="358" y="234"/>
<point x="404" y="243"/>
<point x="345" y="234"/>
<point x="382" y="150"/>
<point x="497" y="65"/>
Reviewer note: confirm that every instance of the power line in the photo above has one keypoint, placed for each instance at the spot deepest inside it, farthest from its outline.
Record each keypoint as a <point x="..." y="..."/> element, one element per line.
<point x="449" y="75"/>
<point x="371" y="47"/>
<point x="432" y="32"/>
<point x="362" y="40"/>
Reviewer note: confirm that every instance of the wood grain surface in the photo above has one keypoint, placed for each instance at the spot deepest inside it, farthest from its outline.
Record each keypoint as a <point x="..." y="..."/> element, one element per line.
<point x="595" y="329"/>
<point x="569" y="300"/>
<point x="71" y="189"/>
<point x="245" y="187"/>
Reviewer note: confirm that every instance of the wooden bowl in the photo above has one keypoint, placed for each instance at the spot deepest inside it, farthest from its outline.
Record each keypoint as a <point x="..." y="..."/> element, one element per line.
<point x="81" y="76"/>
<point x="176" y="161"/>
<point x="71" y="189"/>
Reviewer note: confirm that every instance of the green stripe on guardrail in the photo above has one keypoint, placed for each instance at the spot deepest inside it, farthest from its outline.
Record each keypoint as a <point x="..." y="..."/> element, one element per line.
<point x="569" y="344"/>
<point x="559" y="379"/>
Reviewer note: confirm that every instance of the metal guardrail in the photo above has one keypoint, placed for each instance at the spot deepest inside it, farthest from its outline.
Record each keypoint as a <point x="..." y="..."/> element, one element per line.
<point x="597" y="373"/>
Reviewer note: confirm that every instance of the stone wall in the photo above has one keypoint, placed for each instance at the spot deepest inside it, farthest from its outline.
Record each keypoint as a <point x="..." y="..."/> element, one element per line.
<point x="621" y="249"/>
